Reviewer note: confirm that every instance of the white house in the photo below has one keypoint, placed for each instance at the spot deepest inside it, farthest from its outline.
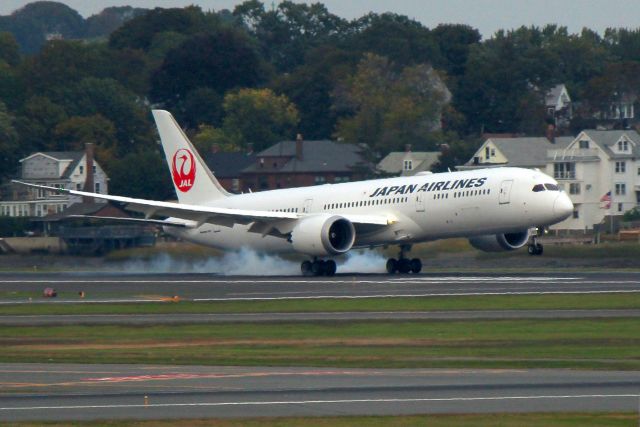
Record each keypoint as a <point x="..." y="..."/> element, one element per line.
<point x="558" y="105"/>
<point x="601" y="172"/>
<point x="75" y="170"/>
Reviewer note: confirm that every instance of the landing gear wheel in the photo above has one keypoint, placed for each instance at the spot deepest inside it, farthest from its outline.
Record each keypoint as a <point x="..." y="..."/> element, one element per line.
<point x="531" y="249"/>
<point x="539" y="249"/>
<point x="392" y="265"/>
<point x="317" y="268"/>
<point x="330" y="267"/>
<point x="416" y="265"/>
<point x="305" y="267"/>
<point x="404" y="266"/>
<point x="535" y="249"/>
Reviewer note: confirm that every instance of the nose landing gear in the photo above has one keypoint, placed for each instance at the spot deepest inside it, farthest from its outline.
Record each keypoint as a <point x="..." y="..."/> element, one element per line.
<point x="404" y="265"/>
<point x="318" y="267"/>
<point x="534" y="247"/>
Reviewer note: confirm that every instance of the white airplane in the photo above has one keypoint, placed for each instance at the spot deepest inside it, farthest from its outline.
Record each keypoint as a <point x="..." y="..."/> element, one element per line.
<point x="498" y="209"/>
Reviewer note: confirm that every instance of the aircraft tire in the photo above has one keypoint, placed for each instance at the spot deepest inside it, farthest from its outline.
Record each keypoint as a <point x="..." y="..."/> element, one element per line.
<point x="539" y="249"/>
<point x="392" y="266"/>
<point x="330" y="267"/>
<point x="416" y="265"/>
<point x="305" y="267"/>
<point x="404" y="266"/>
<point x="531" y="249"/>
<point x="317" y="268"/>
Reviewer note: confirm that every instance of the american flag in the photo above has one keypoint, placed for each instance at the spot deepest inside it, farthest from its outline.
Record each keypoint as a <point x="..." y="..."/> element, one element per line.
<point x="606" y="201"/>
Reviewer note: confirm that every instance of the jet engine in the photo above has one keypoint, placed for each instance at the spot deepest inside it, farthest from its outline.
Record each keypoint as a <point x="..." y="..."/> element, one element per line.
<point x="322" y="235"/>
<point x="500" y="242"/>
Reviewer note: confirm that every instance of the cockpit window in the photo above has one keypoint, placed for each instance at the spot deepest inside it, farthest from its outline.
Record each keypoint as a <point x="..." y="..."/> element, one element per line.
<point x="552" y="187"/>
<point x="537" y="188"/>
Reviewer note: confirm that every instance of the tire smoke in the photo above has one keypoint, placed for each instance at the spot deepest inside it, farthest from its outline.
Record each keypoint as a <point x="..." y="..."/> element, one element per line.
<point x="247" y="262"/>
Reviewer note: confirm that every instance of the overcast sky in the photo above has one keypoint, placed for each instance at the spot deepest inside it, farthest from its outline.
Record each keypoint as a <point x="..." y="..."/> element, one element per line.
<point x="485" y="15"/>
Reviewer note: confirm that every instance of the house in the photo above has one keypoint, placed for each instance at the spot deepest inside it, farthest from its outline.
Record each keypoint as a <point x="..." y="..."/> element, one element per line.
<point x="302" y="163"/>
<point x="524" y="152"/>
<point x="559" y="108"/>
<point x="601" y="172"/>
<point x="228" y="167"/>
<point x="408" y="163"/>
<point x="73" y="170"/>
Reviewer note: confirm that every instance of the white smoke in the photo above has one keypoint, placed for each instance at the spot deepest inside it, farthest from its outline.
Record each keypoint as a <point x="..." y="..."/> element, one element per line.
<point x="247" y="262"/>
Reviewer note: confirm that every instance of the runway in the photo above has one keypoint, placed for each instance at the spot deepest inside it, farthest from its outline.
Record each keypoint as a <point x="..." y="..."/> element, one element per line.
<point x="81" y="392"/>
<point x="78" y="392"/>
<point x="101" y="287"/>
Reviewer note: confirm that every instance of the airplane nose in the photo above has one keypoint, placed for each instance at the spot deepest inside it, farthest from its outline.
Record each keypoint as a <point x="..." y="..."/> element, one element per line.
<point x="562" y="207"/>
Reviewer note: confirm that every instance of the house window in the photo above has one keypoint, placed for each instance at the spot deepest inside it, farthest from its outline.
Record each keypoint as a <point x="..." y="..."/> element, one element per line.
<point x="574" y="188"/>
<point x="408" y="165"/>
<point x="78" y="187"/>
<point x="620" y="207"/>
<point x="97" y="187"/>
<point x="564" y="170"/>
<point x="487" y="152"/>
<point x="584" y="143"/>
<point x="621" y="167"/>
<point x="81" y="170"/>
<point x="576" y="214"/>
<point x="320" y="180"/>
<point x="623" y="145"/>
<point x="621" y="189"/>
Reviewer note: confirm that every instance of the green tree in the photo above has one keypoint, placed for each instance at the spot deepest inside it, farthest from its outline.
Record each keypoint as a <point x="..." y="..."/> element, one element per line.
<point x="73" y="133"/>
<point x="258" y="116"/>
<point x="221" y="61"/>
<point x="209" y="136"/>
<point x="389" y="109"/>
<point x="9" y="49"/>
<point x="36" y="123"/>
<point x="143" y="174"/>
<point x="9" y="148"/>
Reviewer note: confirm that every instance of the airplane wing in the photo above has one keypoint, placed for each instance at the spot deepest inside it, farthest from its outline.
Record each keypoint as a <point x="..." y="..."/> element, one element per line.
<point x="205" y="214"/>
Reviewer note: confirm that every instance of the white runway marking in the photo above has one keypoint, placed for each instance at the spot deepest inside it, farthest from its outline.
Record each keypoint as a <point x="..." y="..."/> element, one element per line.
<point x="329" y="402"/>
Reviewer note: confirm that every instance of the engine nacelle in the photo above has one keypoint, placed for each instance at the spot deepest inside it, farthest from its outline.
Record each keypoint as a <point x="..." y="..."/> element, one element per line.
<point x="322" y="235"/>
<point x="500" y="242"/>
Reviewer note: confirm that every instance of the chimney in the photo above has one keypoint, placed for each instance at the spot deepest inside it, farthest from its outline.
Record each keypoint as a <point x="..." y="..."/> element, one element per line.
<point x="407" y="148"/>
<point x="299" y="142"/>
<point x="89" y="185"/>
<point x="551" y="133"/>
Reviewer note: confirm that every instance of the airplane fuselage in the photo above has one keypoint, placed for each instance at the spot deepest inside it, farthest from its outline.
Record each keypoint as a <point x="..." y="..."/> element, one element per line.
<point x="418" y="208"/>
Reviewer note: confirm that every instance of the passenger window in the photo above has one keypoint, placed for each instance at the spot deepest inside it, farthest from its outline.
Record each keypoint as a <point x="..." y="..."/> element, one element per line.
<point x="538" y="188"/>
<point x="551" y="187"/>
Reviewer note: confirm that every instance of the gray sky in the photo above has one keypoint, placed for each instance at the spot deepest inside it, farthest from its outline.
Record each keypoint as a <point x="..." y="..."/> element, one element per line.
<point x="485" y="15"/>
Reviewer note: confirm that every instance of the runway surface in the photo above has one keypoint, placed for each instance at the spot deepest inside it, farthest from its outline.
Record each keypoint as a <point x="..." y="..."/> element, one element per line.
<point x="188" y="318"/>
<point x="100" y="287"/>
<point x="65" y="392"/>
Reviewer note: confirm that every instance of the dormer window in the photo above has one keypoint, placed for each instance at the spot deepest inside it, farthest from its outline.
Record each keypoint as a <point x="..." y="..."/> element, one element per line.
<point x="584" y="143"/>
<point x="408" y="165"/>
<point x="623" y="145"/>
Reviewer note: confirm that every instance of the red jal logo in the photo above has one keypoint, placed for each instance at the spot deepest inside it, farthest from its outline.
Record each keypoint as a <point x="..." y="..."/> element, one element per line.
<point x="183" y="170"/>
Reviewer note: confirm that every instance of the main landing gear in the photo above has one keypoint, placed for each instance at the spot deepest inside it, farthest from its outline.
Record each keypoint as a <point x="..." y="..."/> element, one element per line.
<point x="404" y="265"/>
<point x="318" y="267"/>
<point x="534" y="247"/>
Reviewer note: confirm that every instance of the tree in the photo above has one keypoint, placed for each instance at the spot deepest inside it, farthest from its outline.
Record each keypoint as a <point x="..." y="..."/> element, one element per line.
<point x="142" y="174"/>
<point x="389" y="109"/>
<point x="9" y="49"/>
<point x="258" y="116"/>
<point x="287" y="32"/>
<point x="222" y="61"/>
<point x="454" y="42"/>
<point x="36" y="123"/>
<point x="9" y="149"/>
<point x="73" y="133"/>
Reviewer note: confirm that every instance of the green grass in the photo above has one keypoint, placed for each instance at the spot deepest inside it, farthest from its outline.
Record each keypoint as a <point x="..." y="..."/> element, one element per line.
<point x="490" y="302"/>
<point x="473" y="420"/>
<point x="562" y="343"/>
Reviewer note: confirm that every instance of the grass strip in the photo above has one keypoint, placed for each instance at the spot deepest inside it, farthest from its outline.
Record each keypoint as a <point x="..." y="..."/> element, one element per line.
<point x="473" y="420"/>
<point x="491" y="302"/>
<point x="560" y="343"/>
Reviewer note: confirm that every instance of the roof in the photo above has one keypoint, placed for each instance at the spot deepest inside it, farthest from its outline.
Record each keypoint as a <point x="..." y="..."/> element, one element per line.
<point x="422" y="161"/>
<point x="527" y="151"/>
<point x="608" y="138"/>
<point x="229" y="165"/>
<point x="82" y="209"/>
<point x="317" y="156"/>
<point x="553" y="95"/>
<point x="74" y="156"/>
